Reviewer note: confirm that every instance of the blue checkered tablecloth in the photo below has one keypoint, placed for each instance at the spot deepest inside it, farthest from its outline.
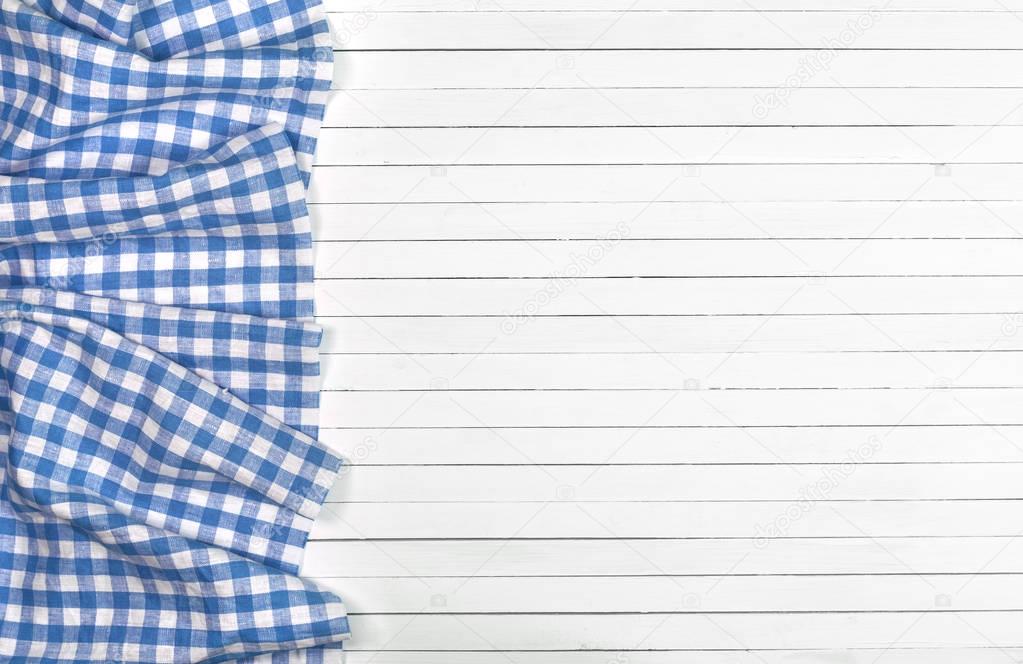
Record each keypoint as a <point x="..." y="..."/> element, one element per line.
<point x="159" y="372"/>
<point x="140" y="85"/>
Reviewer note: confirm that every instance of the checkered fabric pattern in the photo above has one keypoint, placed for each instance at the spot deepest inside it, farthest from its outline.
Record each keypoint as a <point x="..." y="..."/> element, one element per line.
<point x="106" y="19"/>
<point x="147" y="514"/>
<point x="144" y="84"/>
<point x="228" y="234"/>
<point x="159" y="475"/>
<point x="159" y="372"/>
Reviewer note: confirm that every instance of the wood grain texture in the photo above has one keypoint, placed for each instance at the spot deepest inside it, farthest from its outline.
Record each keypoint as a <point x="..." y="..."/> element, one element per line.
<point x="670" y="331"/>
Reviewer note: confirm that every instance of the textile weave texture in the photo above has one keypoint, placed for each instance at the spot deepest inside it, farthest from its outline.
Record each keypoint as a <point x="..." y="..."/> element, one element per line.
<point x="159" y="374"/>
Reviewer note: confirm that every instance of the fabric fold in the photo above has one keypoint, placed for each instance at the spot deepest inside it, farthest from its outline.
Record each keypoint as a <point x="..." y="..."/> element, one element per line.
<point x="151" y="439"/>
<point x="238" y="243"/>
<point x="271" y="364"/>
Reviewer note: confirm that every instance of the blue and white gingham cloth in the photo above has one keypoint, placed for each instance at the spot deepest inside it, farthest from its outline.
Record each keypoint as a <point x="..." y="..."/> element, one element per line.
<point x="159" y="469"/>
<point x="99" y="88"/>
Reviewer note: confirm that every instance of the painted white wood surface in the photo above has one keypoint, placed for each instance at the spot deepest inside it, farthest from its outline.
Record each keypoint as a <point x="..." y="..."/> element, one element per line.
<point x="674" y="330"/>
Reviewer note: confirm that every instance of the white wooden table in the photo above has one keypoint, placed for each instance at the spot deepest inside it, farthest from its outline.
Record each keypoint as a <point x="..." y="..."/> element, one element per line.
<point x="668" y="331"/>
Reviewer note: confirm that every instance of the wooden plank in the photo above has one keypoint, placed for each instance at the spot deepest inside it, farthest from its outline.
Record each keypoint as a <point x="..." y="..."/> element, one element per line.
<point x="755" y="594"/>
<point x="694" y="408"/>
<point x="851" y="480"/>
<point x="472" y="335"/>
<point x="1000" y="6"/>
<point x="380" y="70"/>
<point x="671" y="145"/>
<point x="672" y="371"/>
<point x="612" y="257"/>
<point x="697" y="183"/>
<point x="518" y="301"/>
<point x="686" y="631"/>
<point x="663" y="220"/>
<point x="376" y="521"/>
<point x="671" y="107"/>
<point x="718" y="557"/>
<point x="831" y="32"/>
<point x="630" y="445"/>
<point x="982" y="655"/>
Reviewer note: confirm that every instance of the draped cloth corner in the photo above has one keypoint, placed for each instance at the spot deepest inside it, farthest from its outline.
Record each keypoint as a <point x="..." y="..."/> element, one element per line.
<point x="159" y="371"/>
